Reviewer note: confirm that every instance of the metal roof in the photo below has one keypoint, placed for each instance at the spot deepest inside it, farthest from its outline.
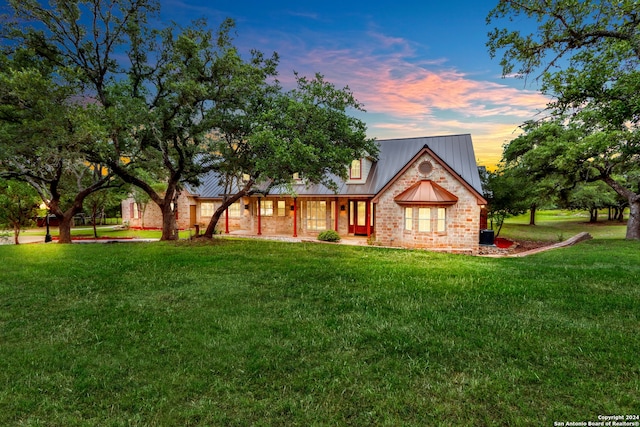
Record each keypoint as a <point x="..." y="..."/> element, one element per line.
<point x="455" y="150"/>
<point x="425" y="192"/>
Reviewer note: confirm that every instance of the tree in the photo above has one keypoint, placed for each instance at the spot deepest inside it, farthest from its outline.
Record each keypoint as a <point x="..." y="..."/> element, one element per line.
<point x="98" y="202"/>
<point x="505" y="196"/>
<point x="43" y="130"/>
<point x="19" y="204"/>
<point x="592" y="197"/>
<point x="306" y="131"/>
<point x="535" y="160"/>
<point x="160" y="101"/>
<point x="588" y="55"/>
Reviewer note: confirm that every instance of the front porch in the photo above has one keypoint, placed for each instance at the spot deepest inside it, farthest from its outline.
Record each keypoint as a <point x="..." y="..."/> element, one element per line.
<point x="344" y="240"/>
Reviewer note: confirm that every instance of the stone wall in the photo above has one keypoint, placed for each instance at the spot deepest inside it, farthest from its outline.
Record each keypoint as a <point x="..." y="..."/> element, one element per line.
<point x="462" y="229"/>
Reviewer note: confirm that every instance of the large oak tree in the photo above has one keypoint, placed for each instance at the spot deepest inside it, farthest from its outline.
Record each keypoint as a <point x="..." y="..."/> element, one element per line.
<point x="176" y="103"/>
<point x="306" y="131"/>
<point x="587" y="56"/>
<point x="44" y="128"/>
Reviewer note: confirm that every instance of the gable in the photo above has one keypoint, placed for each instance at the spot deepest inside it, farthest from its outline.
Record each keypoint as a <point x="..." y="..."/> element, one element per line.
<point x="432" y="155"/>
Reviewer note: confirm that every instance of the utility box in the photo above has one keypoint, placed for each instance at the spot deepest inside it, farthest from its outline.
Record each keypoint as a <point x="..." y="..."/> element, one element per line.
<point x="486" y="237"/>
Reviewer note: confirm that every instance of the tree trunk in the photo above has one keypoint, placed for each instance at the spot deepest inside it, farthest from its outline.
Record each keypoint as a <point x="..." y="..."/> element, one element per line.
<point x="64" y="235"/>
<point x="633" y="224"/>
<point x="532" y="215"/>
<point x="16" y="235"/>
<point x="169" y="224"/>
<point x="211" y="227"/>
<point x="593" y="215"/>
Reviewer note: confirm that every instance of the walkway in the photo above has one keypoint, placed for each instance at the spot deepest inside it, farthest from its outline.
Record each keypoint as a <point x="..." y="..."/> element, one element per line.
<point x="580" y="237"/>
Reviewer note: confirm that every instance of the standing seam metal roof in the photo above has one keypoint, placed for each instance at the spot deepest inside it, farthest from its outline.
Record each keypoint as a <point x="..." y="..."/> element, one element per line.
<point x="455" y="150"/>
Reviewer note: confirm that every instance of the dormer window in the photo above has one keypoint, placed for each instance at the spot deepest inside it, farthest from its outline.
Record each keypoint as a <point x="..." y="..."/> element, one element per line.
<point x="355" y="171"/>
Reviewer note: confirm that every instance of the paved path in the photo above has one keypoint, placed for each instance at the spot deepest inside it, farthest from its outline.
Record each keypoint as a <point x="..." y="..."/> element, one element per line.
<point x="569" y="242"/>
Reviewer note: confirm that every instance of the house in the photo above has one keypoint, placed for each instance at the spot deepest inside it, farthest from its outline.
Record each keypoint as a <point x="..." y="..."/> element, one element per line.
<point x="419" y="193"/>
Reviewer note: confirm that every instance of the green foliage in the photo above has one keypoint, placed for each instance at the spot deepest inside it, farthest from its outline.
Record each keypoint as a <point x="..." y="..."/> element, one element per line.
<point x="306" y="130"/>
<point x="329" y="236"/>
<point x="180" y="102"/>
<point x="269" y="333"/>
<point x="18" y="206"/>
<point x="588" y="57"/>
<point x="505" y="195"/>
<point x="591" y="197"/>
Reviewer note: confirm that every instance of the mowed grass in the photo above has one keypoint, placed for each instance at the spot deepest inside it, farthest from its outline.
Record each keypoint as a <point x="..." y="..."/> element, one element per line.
<point x="105" y="231"/>
<point x="244" y="332"/>
<point x="558" y="225"/>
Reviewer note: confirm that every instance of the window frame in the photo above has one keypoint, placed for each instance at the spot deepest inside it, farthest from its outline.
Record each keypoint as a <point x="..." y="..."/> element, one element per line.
<point x="408" y="218"/>
<point x="264" y="210"/>
<point x="424" y="221"/>
<point x="357" y="175"/>
<point x="317" y="221"/>
<point x="441" y="220"/>
<point x="233" y="211"/>
<point x="203" y="213"/>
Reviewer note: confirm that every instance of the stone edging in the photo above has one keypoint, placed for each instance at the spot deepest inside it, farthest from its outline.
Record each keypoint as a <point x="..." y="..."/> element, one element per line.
<point x="580" y="237"/>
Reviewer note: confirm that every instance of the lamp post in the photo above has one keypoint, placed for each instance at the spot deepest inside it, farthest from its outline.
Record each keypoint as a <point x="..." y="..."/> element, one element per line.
<point x="45" y="206"/>
<point x="47" y="237"/>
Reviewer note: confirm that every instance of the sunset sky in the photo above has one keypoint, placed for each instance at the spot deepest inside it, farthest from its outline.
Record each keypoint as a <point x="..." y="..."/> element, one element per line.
<point x="419" y="68"/>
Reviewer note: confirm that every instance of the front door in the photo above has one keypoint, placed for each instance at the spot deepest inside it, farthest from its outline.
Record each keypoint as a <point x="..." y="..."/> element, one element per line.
<point x="192" y="215"/>
<point x="358" y="217"/>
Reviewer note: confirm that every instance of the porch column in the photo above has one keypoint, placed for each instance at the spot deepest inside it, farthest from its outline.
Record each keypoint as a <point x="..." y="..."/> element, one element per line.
<point x="336" y="214"/>
<point x="226" y="221"/>
<point x="259" y="219"/>
<point x="295" y="217"/>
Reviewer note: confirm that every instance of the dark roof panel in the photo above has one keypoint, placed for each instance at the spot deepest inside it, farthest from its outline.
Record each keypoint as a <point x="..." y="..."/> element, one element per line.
<point x="455" y="150"/>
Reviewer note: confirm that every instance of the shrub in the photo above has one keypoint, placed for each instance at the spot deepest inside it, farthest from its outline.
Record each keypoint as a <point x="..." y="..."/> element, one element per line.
<point x="329" y="236"/>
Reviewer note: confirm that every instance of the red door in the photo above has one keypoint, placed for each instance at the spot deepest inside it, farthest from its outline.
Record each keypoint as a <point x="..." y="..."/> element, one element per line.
<point x="358" y="213"/>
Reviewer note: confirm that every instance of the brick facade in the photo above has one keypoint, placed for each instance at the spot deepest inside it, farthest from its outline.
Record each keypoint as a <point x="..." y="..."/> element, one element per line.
<point x="382" y="197"/>
<point x="462" y="226"/>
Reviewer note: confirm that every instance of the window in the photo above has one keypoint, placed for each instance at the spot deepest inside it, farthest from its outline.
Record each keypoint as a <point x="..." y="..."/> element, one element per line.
<point x="351" y="213"/>
<point x="442" y="219"/>
<point x="332" y="214"/>
<point x="362" y="213"/>
<point x="356" y="169"/>
<point x="281" y="208"/>
<point x="408" y="218"/>
<point x="266" y="208"/>
<point x="316" y="215"/>
<point x="424" y="219"/>
<point x="235" y="210"/>
<point x="371" y="214"/>
<point x="206" y="210"/>
<point x="135" y="211"/>
<point x="296" y="176"/>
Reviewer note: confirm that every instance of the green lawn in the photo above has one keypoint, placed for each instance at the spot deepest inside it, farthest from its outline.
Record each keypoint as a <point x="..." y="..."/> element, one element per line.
<point x="555" y="225"/>
<point x="107" y="231"/>
<point x="245" y="332"/>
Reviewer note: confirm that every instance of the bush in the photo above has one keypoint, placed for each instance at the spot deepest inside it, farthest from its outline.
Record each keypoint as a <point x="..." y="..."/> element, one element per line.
<point x="329" y="236"/>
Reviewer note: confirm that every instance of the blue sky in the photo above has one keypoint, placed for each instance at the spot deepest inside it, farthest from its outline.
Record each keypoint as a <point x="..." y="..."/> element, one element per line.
<point x="419" y="68"/>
